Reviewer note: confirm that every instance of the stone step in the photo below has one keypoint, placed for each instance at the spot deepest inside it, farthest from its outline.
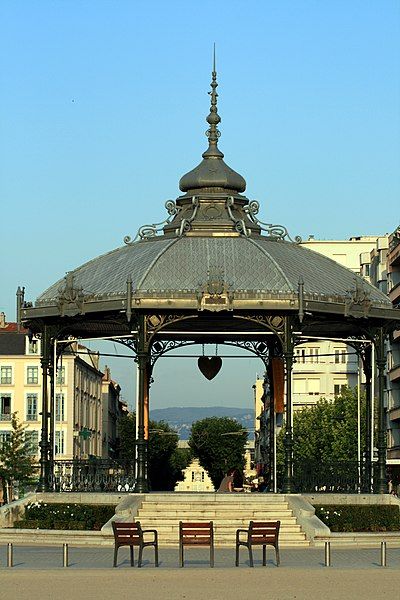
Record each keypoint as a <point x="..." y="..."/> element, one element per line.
<point x="219" y="498"/>
<point x="220" y="527"/>
<point x="164" y="518"/>
<point x="220" y="505"/>
<point x="184" y="513"/>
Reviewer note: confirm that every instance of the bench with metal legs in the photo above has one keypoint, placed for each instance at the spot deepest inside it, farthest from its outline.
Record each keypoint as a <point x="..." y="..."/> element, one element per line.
<point x="259" y="533"/>
<point x="132" y="534"/>
<point x="196" y="534"/>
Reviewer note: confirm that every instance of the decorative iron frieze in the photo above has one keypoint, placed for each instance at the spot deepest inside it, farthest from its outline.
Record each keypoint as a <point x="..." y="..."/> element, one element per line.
<point x="161" y="347"/>
<point x="278" y="232"/>
<point x="150" y="231"/>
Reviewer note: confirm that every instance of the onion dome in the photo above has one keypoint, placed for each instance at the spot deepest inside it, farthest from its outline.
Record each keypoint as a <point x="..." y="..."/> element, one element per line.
<point x="212" y="174"/>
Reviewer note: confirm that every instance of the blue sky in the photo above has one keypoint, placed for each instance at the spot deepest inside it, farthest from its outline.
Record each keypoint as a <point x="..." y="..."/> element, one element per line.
<point x="103" y="106"/>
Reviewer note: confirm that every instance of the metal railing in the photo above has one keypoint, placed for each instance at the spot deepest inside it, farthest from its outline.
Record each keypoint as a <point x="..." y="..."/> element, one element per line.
<point x="92" y="476"/>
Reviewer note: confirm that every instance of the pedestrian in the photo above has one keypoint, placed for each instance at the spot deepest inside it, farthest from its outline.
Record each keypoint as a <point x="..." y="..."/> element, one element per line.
<point x="226" y="484"/>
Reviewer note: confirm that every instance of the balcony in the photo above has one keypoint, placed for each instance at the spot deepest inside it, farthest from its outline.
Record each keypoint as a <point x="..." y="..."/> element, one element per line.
<point x="5" y="416"/>
<point x="394" y="373"/>
<point x="393" y="452"/>
<point x="394" y="293"/>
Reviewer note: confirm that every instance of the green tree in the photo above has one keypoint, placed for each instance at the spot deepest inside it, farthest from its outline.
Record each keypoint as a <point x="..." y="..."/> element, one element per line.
<point x="127" y="440"/>
<point x="326" y="432"/>
<point x="17" y="463"/>
<point x="165" y="461"/>
<point x="219" y="444"/>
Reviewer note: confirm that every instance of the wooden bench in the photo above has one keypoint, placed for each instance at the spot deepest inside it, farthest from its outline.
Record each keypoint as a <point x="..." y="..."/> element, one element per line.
<point x="196" y="534"/>
<point x="259" y="533"/>
<point x="132" y="534"/>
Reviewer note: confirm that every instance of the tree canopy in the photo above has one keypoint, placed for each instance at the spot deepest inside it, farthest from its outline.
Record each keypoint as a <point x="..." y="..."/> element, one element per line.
<point x="17" y="462"/>
<point x="326" y="432"/>
<point x="219" y="444"/>
<point x="165" y="460"/>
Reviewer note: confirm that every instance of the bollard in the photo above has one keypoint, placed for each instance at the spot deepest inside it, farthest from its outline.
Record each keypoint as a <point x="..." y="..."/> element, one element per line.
<point x="327" y="554"/>
<point x="65" y="555"/>
<point x="383" y="554"/>
<point x="10" y="555"/>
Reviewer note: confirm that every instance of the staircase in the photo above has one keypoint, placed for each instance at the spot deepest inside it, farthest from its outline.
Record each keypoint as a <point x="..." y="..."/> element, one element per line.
<point x="229" y="512"/>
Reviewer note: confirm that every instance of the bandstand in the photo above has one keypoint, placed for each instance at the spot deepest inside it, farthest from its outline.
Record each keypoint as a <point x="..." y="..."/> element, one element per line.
<point x="212" y="272"/>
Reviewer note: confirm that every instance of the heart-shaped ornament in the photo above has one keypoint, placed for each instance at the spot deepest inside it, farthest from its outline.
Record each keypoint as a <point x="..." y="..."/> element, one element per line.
<point x="210" y="366"/>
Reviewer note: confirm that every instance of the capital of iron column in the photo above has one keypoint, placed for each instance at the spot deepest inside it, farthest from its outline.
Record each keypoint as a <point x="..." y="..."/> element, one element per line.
<point x="381" y="482"/>
<point x="143" y="359"/>
<point x="44" y="445"/>
<point x="288" y="355"/>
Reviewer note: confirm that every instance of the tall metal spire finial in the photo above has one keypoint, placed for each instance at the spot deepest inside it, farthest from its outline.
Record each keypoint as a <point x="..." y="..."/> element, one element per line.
<point x="213" y="118"/>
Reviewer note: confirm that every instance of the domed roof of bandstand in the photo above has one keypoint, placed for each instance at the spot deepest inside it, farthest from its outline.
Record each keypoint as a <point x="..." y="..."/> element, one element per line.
<point x="212" y="241"/>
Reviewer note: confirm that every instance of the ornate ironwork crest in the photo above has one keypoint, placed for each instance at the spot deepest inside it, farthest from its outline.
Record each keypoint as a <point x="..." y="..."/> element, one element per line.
<point x="358" y="302"/>
<point x="215" y="294"/>
<point x="70" y="299"/>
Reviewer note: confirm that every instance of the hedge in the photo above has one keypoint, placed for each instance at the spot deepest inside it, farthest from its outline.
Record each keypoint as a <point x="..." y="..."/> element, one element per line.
<point x="349" y="517"/>
<point x="41" y="515"/>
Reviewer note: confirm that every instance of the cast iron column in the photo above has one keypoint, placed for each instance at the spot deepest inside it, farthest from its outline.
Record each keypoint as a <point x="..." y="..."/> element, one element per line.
<point x="143" y="360"/>
<point x="44" y="479"/>
<point x="381" y="480"/>
<point x="366" y="357"/>
<point x="288" y="439"/>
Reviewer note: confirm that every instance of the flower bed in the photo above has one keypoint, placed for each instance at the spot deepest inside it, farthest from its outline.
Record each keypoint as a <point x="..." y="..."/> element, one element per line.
<point x="377" y="517"/>
<point x="83" y="517"/>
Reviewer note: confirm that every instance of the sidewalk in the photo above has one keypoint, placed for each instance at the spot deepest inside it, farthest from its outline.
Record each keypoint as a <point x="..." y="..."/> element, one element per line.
<point x="38" y="575"/>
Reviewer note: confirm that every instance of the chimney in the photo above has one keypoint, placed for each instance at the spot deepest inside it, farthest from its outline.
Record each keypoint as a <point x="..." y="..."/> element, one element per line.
<point x="2" y="320"/>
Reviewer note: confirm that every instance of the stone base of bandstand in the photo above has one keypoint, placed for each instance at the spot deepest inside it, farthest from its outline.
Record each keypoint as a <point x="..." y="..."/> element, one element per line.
<point x="163" y="511"/>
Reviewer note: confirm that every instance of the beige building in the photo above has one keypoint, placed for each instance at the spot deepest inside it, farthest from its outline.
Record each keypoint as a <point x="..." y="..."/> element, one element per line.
<point x="112" y="408"/>
<point x="78" y="395"/>
<point x="322" y="368"/>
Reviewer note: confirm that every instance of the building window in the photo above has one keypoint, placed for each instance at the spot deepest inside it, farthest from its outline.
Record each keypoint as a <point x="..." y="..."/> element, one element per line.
<point x="59" y="437"/>
<point x="5" y="407"/>
<point x="313" y="355"/>
<point x="6" y="375"/>
<point x="340" y="356"/>
<point x="59" y="407"/>
<point x="313" y="387"/>
<point x="32" y="375"/>
<point x="338" y="388"/>
<point x="5" y="436"/>
<point x="33" y="346"/>
<point x="32" y="442"/>
<point x="192" y="475"/>
<point x="300" y="355"/>
<point x="31" y="407"/>
<point x="60" y="377"/>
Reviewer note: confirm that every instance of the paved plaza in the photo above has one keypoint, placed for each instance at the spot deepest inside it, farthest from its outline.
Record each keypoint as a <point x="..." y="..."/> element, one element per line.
<point x="356" y="573"/>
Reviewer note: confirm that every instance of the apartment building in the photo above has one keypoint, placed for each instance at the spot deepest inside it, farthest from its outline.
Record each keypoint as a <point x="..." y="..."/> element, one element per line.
<point x="393" y="380"/>
<point x="79" y="422"/>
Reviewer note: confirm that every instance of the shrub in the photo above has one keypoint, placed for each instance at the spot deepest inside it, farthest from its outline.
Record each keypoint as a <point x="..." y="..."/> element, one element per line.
<point x="40" y="515"/>
<point x="376" y="517"/>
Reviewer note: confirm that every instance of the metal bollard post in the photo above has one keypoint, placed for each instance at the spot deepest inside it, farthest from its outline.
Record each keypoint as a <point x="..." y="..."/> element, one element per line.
<point x="383" y="554"/>
<point x="10" y="555"/>
<point x="327" y="554"/>
<point x="65" y="555"/>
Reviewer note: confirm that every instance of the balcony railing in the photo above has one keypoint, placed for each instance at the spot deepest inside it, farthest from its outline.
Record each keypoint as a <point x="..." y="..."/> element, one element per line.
<point x="5" y="417"/>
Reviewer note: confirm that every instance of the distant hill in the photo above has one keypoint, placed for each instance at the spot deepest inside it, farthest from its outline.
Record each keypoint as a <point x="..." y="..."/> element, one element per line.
<point x="181" y="418"/>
